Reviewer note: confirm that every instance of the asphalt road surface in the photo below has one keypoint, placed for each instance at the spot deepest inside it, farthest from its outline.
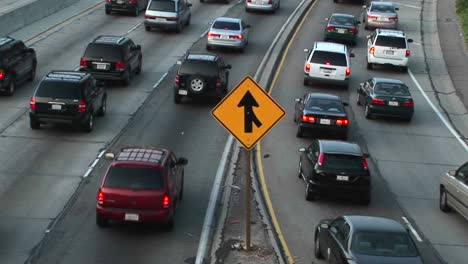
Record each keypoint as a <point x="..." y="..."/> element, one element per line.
<point x="407" y="159"/>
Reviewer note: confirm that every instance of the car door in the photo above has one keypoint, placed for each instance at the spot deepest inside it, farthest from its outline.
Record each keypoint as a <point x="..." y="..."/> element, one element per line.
<point x="25" y="60"/>
<point x="222" y="72"/>
<point x="368" y="91"/>
<point x="15" y="61"/>
<point x="299" y="108"/>
<point x="131" y="53"/>
<point x="460" y="190"/>
<point x="245" y="31"/>
<point x="90" y="95"/>
<point x="311" y="156"/>
<point x="335" y="241"/>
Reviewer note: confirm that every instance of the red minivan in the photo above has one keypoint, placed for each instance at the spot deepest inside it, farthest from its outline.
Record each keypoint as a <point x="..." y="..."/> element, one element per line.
<point x="141" y="185"/>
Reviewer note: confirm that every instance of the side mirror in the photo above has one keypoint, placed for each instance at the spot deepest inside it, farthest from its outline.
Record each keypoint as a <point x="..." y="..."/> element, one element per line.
<point x="358" y="22"/>
<point x="396" y="8"/>
<point x="368" y="37"/>
<point x="99" y="83"/>
<point x="138" y="47"/>
<point x="326" y="19"/>
<point x="297" y="100"/>
<point x="334" y="230"/>
<point x="306" y="50"/>
<point x="248" y="26"/>
<point x="325" y="226"/>
<point x="366" y="155"/>
<point x="301" y="150"/>
<point x="109" y="156"/>
<point x="182" y="161"/>
<point x="351" y="55"/>
<point x="189" y="4"/>
<point x="345" y="103"/>
<point x="452" y="172"/>
<point x="179" y="62"/>
<point x="228" y="66"/>
<point x="410" y="40"/>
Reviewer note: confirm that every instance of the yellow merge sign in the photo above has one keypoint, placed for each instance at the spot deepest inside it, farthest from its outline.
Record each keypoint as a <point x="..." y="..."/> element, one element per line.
<point x="248" y="112"/>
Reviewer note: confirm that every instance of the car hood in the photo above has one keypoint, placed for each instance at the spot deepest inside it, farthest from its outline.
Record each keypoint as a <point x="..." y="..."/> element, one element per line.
<point x="368" y="259"/>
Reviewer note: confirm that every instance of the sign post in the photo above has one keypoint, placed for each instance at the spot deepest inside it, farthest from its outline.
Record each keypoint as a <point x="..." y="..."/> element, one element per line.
<point x="248" y="113"/>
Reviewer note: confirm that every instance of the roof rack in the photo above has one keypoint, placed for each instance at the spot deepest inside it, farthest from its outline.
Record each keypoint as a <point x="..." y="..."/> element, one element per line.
<point x="109" y="39"/>
<point x="141" y="154"/>
<point x="5" y="40"/>
<point x="66" y="75"/>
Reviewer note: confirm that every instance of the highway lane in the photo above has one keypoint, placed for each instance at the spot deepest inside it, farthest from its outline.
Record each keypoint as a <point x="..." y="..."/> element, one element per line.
<point x="407" y="160"/>
<point x="59" y="156"/>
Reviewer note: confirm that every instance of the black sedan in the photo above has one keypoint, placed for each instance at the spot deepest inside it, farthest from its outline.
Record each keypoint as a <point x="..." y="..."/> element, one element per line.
<point x="385" y="97"/>
<point x="342" y="27"/>
<point x="364" y="240"/>
<point x="319" y="112"/>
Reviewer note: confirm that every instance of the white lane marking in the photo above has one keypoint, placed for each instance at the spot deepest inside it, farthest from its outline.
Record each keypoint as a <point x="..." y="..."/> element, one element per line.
<point x="135" y="27"/>
<point x="96" y="160"/>
<point x="77" y="68"/>
<point x="160" y="80"/>
<point x="439" y="114"/>
<point x="416" y="235"/>
<point x="412" y="6"/>
<point x="204" y="33"/>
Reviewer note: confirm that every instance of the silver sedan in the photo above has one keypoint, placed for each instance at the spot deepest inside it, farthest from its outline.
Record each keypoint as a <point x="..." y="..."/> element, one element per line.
<point x="381" y="15"/>
<point x="228" y="32"/>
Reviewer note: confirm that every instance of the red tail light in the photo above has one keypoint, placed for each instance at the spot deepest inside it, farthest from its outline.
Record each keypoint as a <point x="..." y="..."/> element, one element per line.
<point x="132" y="2"/>
<point x="309" y="119"/>
<point x="392" y="18"/>
<point x="249" y="1"/>
<point x="270" y="2"/>
<point x="83" y="63"/>
<point x="408" y="103"/>
<point x="378" y="101"/>
<point x="218" y="83"/>
<point x="408" y="52"/>
<point x="307" y="67"/>
<point x="342" y="122"/>
<point x="177" y="79"/>
<point x="32" y="103"/>
<point x="348" y="71"/>
<point x="352" y="30"/>
<point x="120" y="66"/>
<point x="2" y="74"/>
<point x="166" y="201"/>
<point x="109" y="1"/>
<point x="149" y="17"/>
<point x="240" y="36"/>
<point x="321" y="159"/>
<point x="330" y="28"/>
<point x="210" y="34"/>
<point x="371" y="17"/>
<point x="81" y="107"/>
<point x="372" y="50"/>
<point x="327" y="63"/>
<point x="172" y="18"/>
<point x="100" y="197"/>
<point x="364" y="163"/>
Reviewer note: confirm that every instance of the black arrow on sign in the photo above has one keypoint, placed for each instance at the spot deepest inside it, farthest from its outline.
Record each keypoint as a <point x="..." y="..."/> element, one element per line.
<point x="248" y="102"/>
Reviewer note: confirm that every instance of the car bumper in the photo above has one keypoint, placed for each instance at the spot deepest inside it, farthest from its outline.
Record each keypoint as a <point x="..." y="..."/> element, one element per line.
<point x="117" y="76"/>
<point x="328" y="129"/>
<point x="54" y="119"/>
<point x="183" y="91"/>
<point x="340" y="190"/>
<point x="395" y="62"/>
<point x="161" y="24"/>
<point x="230" y="43"/>
<point x="404" y="112"/>
<point x="380" y="24"/>
<point x="120" y="7"/>
<point x="339" y="36"/>
<point x="252" y="6"/>
<point x="325" y="79"/>
<point x="118" y="214"/>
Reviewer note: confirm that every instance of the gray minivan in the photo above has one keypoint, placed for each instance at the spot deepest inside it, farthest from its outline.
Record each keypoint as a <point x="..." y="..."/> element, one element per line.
<point x="168" y="14"/>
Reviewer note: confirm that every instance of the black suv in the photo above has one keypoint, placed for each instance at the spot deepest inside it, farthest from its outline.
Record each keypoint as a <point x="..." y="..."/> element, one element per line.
<point x="132" y="6"/>
<point x="201" y="74"/>
<point x="112" y="58"/>
<point x="17" y="64"/>
<point x="335" y="168"/>
<point x="67" y="97"/>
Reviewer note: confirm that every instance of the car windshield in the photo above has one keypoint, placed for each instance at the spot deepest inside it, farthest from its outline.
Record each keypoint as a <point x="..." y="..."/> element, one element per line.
<point x="225" y="25"/>
<point x="201" y="67"/>
<point x="59" y="89"/>
<point x="391" y="89"/>
<point x="388" y="41"/>
<point x="329" y="58"/>
<point x="341" y="161"/>
<point x="342" y="20"/>
<point x="384" y="244"/>
<point x="316" y="104"/>
<point x="105" y="51"/>
<point x="382" y="8"/>
<point x="135" y="178"/>
<point x="162" y="5"/>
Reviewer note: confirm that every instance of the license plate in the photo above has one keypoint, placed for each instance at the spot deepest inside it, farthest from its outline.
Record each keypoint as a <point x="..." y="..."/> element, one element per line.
<point x="131" y="217"/>
<point x="326" y="71"/>
<point x="101" y="66"/>
<point x="225" y="36"/>
<point x="120" y="1"/>
<point x="259" y="2"/>
<point x="382" y="19"/>
<point x="325" y="121"/>
<point x="56" y="107"/>
<point x="389" y="52"/>
<point x="393" y="103"/>
<point x="183" y="92"/>
<point x="159" y="19"/>
<point x="341" y="30"/>
<point x="342" y="178"/>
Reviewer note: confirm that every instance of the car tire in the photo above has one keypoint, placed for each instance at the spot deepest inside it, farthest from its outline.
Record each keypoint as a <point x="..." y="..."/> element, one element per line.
<point x="309" y="196"/>
<point x="358" y="99"/>
<point x="169" y="225"/>
<point x="197" y="84"/>
<point x="11" y="86"/>
<point x="34" y="124"/>
<point x="32" y="74"/>
<point x="247" y="10"/>
<point x="317" y="249"/>
<point x="177" y="97"/>
<point x="365" y="200"/>
<point x="208" y="47"/>
<point x="179" y="28"/>
<point x="299" y="132"/>
<point x="367" y="112"/>
<point x="181" y="193"/>
<point x="188" y="20"/>
<point x="299" y="173"/>
<point x="370" y="66"/>
<point x="108" y="11"/>
<point x="306" y="82"/>
<point x="202" y="1"/>
<point x="136" y="11"/>
<point x="89" y="125"/>
<point x="147" y="28"/>
<point x="222" y="94"/>
<point x="443" y="205"/>
<point x="344" y="136"/>
<point x="101" y="221"/>
<point x="404" y="68"/>
<point x="103" y="109"/>
<point x="126" y="80"/>
<point x="138" y="70"/>
<point x="335" y="1"/>
<point x="408" y="119"/>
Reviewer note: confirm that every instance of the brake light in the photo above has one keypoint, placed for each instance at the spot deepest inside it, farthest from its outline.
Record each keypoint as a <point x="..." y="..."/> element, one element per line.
<point x="371" y="17"/>
<point x="2" y="75"/>
<point x="83" y="63"/>
<point x="378" y="101"/>
<point x="321" y="158"/>
<point x="348" y="71"/>
<point x="365" y="165"/>
<point x="393" y="18"/>
<point x="149" y="17"/>
<point x="307" y="67"/>
<point x="352" y="30"/>
<point x="132" y="2"/>
<point x="342" y="122"/>
<point x="177" y="79"/>
<point x="330" y="28"/>
<point x="249" y="1"/>
<point x="372" y="50"/>
<point x="240" y="36"/>
<point x="210" y="34"/>
<point x="306" y="118"/>
<point x="166" y="201"/>
<point x="408" y="103"/>
<point x="218" y="83"/>
<point x="172" y="18"/>
<point x="100" y="197"/>
<point x="408" y="52"/>
<point x="32" y="103"/>
<point x="327" y="63"/>
<point x="81" y="107"/>
<point x="270" y="2"/>
<point x="120" y="66"/>
<point x="108" y="1"/>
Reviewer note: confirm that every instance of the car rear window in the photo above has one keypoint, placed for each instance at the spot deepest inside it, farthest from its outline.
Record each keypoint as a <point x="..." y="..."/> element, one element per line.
<point x="226" y="25"/>
<point x="341" y="161"/>
<point x="382" y="8"/>
<point x="162" y="5"/>
<point x="59" y="89"/>
<point x="105" y="51"/>
<point x="315" y="104"/>
<point x="135" y="178"/>
<point x="384" y="244"/>
<point x="389" y="41"/>
<point x="202" y="67"/>
<point x="346" y="21"/>
<point x="329" y="58"/>
<point x="391" y="89"/>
